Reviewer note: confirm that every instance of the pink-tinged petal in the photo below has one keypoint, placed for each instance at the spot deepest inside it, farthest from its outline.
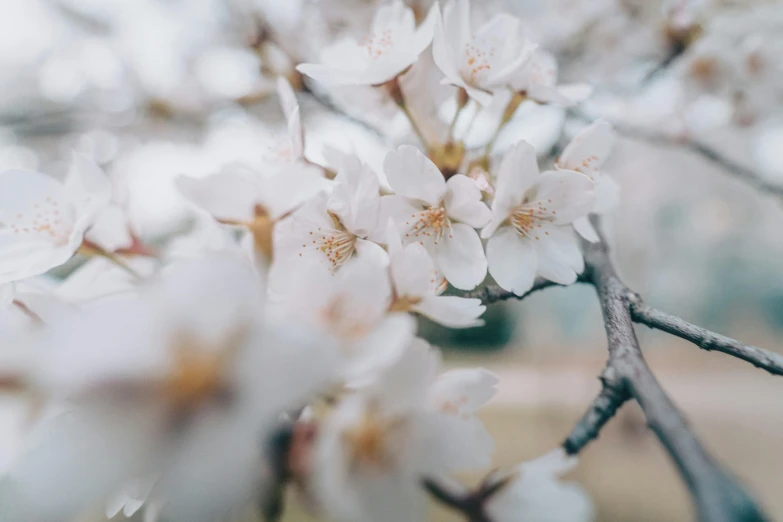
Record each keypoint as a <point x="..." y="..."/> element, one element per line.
<point x="451" y="311"/>
<point x="225" y="196"/>
<point x="412" y="271"/>
<point x="513" y="261"/>
<point x="564" y="195"/>
<point x="517" y="173"/>
<point x="412" y="174"/>
<point x="607" y="194"/>
<point x="459" y="256"/>
<point x="463" y="202"/>
<point x="589" y="149"/>
<point x="463" y="391"/>
<point x="559" y="257"/>
<point x="585" y="229"/>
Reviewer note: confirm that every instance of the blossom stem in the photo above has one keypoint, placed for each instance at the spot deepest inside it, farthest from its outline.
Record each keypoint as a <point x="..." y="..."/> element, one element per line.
<point x="91" y="249"/>
<point x="396" y="94"/>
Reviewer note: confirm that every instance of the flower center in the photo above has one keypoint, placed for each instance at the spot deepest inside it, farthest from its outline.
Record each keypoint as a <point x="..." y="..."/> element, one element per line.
<point x="431" y="223"/>
<point x="378" y="44"/>
<point x="338" y="246"/>
<point x="528" y="218"/>
<point x="476" y="61"/>
<point x="368" y="441"/>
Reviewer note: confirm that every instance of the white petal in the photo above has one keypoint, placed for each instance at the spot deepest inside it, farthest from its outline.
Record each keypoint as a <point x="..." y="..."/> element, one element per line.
<point x="463" y="202"/>
<point x="412" y="174"/>
<point x="287" y="190"/>
<point x="451" y="311"/>
<point x="589" y="149"/>
<point x="426" y="30"/>
<point x="111" y="230"/>
<point x="400" y="210"/>
<point x="460" y="257"/>
<point x="21" y="258"/>
<point x="224" y="196"/>
<point x="517" y="173"/>
<point x="412" y="271"/>
<point x="565" y="195"/>
<point x="559" y="257"/>
<point x="380" y="349"/>
<point x="356" y="199"/>
<point x="454" y="444"/>
<point x="21" y="191"/>
<point x="607" y="194"/>
<point x="513" y="261"/>
<point x="585" y="229"/>
<point x="86" y="181"/>
<point x="463" y="391"/>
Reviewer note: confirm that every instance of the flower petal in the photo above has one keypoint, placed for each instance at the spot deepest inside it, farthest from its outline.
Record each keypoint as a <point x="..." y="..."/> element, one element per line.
<point x="565" y="195"/>
<point x="459" y="256"/>
<point x="225" y="196"/>
<point x="589" y="149"/>
<point x="512" y="261"/>
<point x="412" y="174"/>
<point x="607" y="194"/>
<point x="518" y="172"/>
<point x="559" y="257"/>
<point x="451" y="311"/>
<point x="585" y="229"/>
<point x="412" y="269"/>
<point x="463" y="202"/>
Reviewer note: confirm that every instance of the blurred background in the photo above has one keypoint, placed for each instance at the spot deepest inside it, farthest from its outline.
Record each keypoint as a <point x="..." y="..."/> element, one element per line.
<point x="152" y="89"/>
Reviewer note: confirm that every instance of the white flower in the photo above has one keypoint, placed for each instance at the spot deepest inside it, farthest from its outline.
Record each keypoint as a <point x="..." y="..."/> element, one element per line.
<point x="351" y="309"/>
<point x="439" y="214"/>
<point x="587" y="153"/>
<point x="333" y="229"/>
<point x="375" y="448"/>
<point x="44" y="221"/>
<point x="393" y="44"/>
<point x="417" y="287"/>
<point x="530" y="232"/>
<point x="481" y="62"/>
<point x="538" y="81"/>
<point x="130" y="498"/>
<point x="183" y="382"/>
<point x="254" y="201"/>
<point x="534" y="493"/>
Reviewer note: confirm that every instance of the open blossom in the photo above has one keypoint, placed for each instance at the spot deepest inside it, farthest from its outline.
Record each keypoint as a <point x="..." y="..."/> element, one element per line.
<point x="393" y="44"/>
<point x="534" y="493"/>
<point x="587" y="153"/>
<point x="334" y="228"/>
<point x="179" y="383"/>
<point x="43" y="220"/>
<point x="351" y="308"/>
<point x="483" y="61"/>
<point x="417" y="288"/>
<point x="530" y="232"/>
<point x="538" y="81"/>
<point x="441" y="215"/>
<point x="374" y="449"/>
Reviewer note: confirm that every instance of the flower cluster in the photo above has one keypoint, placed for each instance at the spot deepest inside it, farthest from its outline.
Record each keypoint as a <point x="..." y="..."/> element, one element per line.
<point x="170" y="375"/>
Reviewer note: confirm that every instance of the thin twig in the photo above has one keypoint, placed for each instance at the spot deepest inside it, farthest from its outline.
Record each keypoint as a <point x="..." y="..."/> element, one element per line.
<point x="493" y="293"/>
<point x="601" y="410"/>
<point x="703" y="338"/>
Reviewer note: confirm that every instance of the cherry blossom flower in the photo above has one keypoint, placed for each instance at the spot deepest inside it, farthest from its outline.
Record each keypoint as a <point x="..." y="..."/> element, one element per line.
<point x="351" y="309"/>
<point x="334" y="228"/>
<point x="530" y="232"/>
<point x="587" y="153"/>
<point x="482" y="62"/>
<point x="44" y="221"/>
<point x="439" y="214"/>
<point x="538" y="81"/>
<point x="378" y="444"/>
<point x="393" y="44"/>
<point x="251" y="200"/>
<point x="417" y="288"/>
<point x="534" y="494"/>
<point x="179" y="383"/>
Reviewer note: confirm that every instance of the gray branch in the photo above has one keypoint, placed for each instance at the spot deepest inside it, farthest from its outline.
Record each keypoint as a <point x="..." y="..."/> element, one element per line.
<point x="703" y="338"/>
<point x="717" y="496"/>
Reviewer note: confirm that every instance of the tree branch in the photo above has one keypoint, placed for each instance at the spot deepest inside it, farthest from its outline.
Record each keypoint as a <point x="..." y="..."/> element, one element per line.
<point x="717" y="496"/>
<point x="703" y="338"/>
<point x="493" y="293"/>
<point x="613" y="394"/>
